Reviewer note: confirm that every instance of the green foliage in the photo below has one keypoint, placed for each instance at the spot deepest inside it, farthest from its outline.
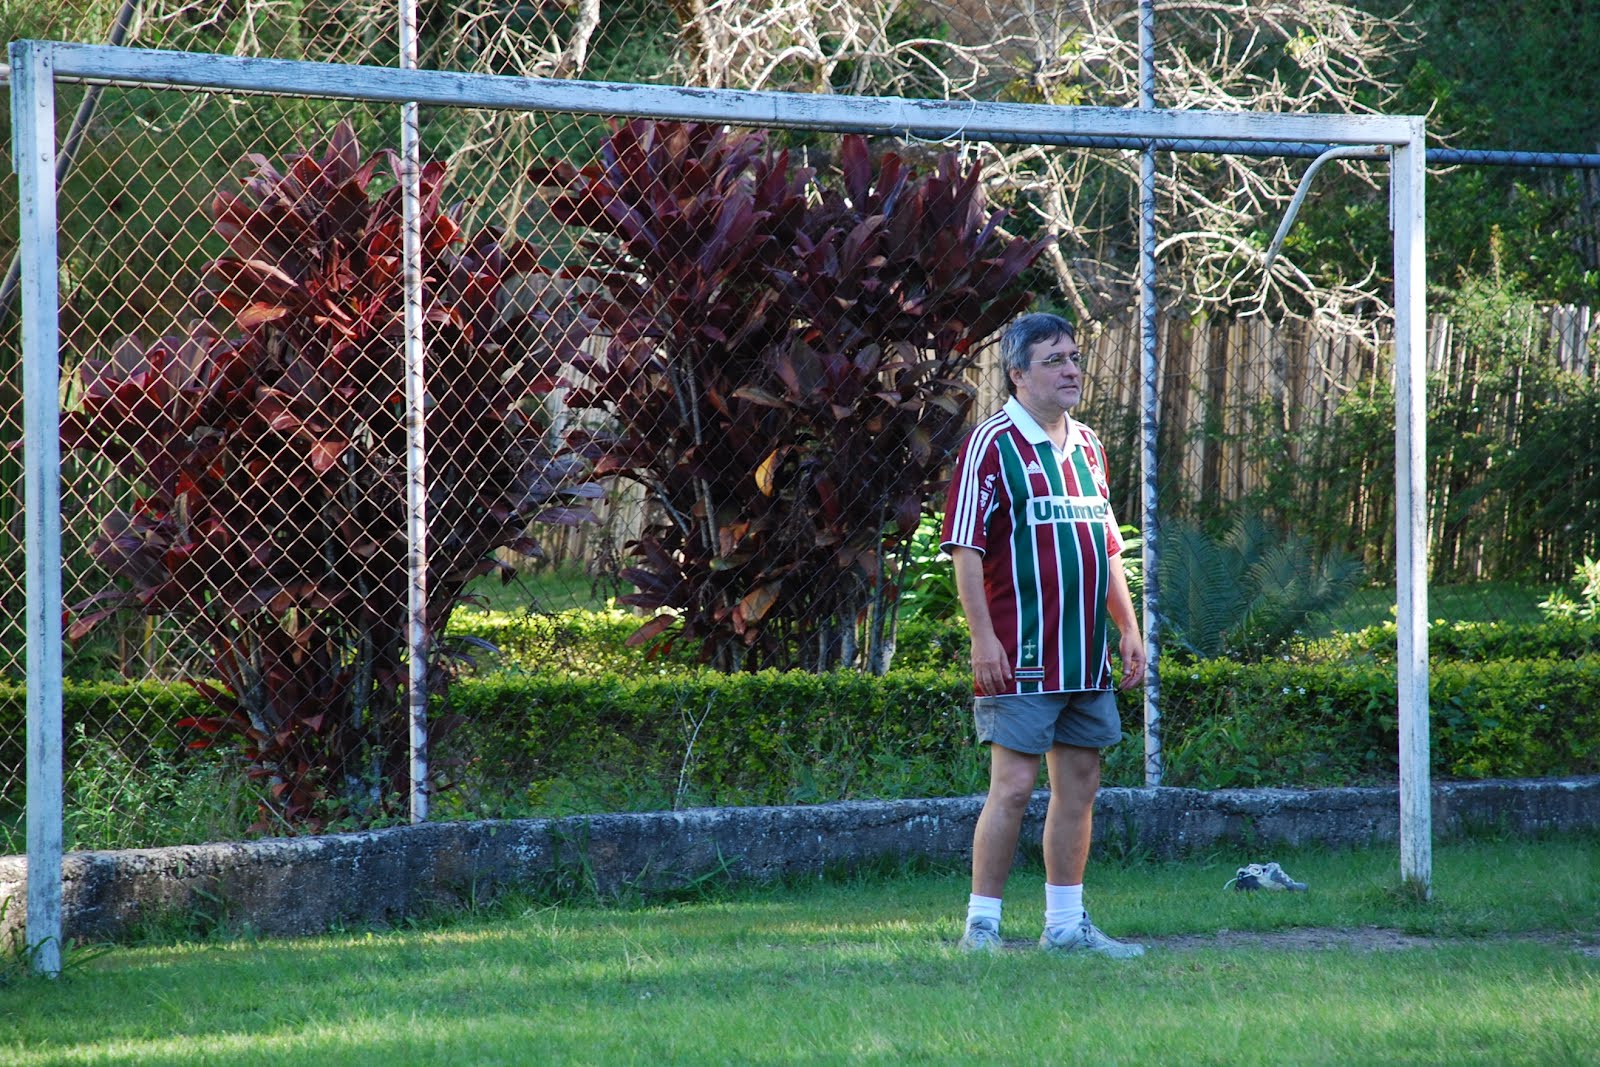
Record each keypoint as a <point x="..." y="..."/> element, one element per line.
<point x="923" y="643"/>
<point x="567" y="642"/>
<point x="1537" y="93"/>
<point x="1513" y="454"/>
<point x="597" y="733"/>
<point x="1274" y="723"/>
<point x="595" y="642"/>
<point x="1536" y="98"/>
<point x="1477" y="642"/>
<point x="580" y="642"/>
<point x="1500" y="76"/>
<point x="1584" y="606"/>
<point x="1249" y="593"/>
<point x="130" y="780"/>
<point x="120" y="794"/>
<point x="927" y="578"/>
<point x="1514" y="444"/>
<point x="557" y="744"/>
<point x="1133" y="562"/>
<point x="129" y="715"/>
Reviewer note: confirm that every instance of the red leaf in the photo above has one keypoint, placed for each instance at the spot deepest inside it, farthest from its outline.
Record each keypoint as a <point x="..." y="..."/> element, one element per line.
<point x="754" y="605"/>
<point x="856" y="169"/>
<point x="650" y="630"/>
<point x="205" y="724"/>
<point x="258" y="313"/>
<point x="88" y="622"/>
<point x="325" y="454"/>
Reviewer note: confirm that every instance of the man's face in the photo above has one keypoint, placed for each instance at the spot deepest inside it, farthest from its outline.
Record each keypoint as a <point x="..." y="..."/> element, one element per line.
<point x="1054" y="378"/>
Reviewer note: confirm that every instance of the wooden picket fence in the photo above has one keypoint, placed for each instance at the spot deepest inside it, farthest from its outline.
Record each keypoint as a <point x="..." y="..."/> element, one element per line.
<point x="1236" y="398"/>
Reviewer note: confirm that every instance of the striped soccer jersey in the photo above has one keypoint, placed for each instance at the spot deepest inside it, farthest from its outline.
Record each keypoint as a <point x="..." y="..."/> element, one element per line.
<point x="1043" y="521"/>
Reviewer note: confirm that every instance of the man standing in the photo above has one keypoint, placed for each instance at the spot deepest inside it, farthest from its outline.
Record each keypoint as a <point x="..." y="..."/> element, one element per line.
<point x="1038" y="568"/>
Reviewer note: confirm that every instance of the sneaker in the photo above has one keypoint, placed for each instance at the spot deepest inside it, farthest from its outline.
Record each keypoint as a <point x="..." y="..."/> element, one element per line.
<point x="1264" y="876"/>
<point x="1087" y="937"/>
<point x="983" y="935"/>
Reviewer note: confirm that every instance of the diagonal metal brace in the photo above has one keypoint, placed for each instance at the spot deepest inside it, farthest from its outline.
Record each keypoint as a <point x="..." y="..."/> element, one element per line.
<point x="1341" y="152"/>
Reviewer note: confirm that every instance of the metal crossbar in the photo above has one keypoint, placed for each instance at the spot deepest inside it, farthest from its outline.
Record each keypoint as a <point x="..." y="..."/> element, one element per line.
<point x="860" y="114"/>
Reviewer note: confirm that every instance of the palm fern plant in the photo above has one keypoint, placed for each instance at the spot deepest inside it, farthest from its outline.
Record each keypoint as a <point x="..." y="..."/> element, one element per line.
<point x="1247" y="593"/>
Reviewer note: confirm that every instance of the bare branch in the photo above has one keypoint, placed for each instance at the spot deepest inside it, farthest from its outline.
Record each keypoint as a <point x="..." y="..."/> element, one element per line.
<point x="1282" y="55"/>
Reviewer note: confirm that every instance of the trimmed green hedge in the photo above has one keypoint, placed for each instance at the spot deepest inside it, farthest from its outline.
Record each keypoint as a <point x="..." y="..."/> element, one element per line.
<point x="595" y="642"/>
<point x="705" y="738"/>
<point x="776" y="738"/>
<point x="136" y="715"/>
<point x="553" y="742"/>
<point x="1228" y="724"/>
<point x="1472" y="641"/>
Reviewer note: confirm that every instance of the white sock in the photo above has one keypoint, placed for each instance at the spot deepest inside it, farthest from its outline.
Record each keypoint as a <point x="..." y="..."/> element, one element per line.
<point x="983" y="908"/>
<point x="1063" y="905"/>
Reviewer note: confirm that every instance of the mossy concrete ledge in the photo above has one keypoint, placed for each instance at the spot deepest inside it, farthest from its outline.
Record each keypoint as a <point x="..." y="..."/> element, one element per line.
<point x="304" y="885"/>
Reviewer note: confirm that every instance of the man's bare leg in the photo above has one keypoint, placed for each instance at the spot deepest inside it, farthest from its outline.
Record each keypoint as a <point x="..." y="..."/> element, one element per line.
<point x="1069" y="821"/>
<point x="994" y="840"/>
<point x="1068" y="827"/>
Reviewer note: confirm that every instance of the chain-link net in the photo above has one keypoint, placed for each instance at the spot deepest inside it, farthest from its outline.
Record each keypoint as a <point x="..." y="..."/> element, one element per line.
<point x="592" y="425"/>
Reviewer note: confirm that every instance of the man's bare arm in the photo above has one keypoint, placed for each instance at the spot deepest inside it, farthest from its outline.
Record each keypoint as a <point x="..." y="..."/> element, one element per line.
<point x="1119" y="603"/>
<point x="991" y="673"/>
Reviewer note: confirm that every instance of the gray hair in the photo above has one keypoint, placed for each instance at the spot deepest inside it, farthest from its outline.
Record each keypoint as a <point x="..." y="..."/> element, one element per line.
<point x="1025" y="332"/>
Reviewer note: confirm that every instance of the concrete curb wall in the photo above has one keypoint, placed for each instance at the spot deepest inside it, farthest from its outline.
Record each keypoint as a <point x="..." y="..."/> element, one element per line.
<point x="304" y="885"/>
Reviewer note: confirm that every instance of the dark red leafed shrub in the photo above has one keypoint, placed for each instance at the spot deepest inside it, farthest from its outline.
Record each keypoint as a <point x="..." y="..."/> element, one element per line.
<point x="785" y="368"/>
<point x="267" y="449"/>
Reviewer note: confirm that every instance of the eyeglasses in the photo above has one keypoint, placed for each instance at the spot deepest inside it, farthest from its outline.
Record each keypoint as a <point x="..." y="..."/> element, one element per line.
<point x="1052" y="362"/>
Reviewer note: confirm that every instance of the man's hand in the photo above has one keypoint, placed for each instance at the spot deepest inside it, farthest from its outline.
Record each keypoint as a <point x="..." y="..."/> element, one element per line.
<point x="991" y="672"/>
<point x="1133" y="661"/>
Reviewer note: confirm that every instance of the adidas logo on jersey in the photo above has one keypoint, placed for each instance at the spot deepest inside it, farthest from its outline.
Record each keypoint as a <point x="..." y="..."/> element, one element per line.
<point x="1034" y="468"/>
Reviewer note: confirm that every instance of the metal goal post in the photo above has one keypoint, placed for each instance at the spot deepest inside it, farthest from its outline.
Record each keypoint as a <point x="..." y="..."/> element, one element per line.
<point x="37" y="67"/>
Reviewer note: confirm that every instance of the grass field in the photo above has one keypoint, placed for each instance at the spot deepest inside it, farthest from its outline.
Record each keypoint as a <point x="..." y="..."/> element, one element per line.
<point x="1479" y="602"/>
<point x="1502" y="967"/>
<point x="559" y="588"/>
<point x="546" y="591"/>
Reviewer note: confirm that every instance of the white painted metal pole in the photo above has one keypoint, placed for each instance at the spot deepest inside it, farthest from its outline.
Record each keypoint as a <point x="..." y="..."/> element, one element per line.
<point x="33" y="103"/>
<point x="1408" y="171"/>
<point x="416" y="423"/>
<point x="1150" y="401"/>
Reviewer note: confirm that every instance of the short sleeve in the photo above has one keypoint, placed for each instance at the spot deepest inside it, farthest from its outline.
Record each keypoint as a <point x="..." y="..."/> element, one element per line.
<point x="971" y="497"/>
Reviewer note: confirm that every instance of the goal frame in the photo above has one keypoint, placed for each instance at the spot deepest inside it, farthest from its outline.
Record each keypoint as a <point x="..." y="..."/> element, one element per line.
<point x="38" y="66"/>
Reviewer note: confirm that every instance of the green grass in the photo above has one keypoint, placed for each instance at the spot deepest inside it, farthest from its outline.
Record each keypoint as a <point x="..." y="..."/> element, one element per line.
<point x="544" y="591"/>
<point x="1479" y="602"/>
<point x="862" y="969"/>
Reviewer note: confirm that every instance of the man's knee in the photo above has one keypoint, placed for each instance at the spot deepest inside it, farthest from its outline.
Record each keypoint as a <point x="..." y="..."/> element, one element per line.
<point x="1011" y="779"/>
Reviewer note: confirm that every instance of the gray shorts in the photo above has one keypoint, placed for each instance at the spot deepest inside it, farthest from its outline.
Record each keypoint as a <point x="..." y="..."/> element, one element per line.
<point x="1032" y="722"/>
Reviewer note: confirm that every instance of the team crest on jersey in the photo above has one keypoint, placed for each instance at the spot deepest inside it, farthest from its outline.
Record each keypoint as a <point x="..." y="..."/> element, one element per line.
<point x="1049" y="510"/>
<point x="1094" y="467"/>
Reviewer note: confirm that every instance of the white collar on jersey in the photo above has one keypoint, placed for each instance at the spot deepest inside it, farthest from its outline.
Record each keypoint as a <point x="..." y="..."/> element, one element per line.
<point x="1031" y="430"/>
